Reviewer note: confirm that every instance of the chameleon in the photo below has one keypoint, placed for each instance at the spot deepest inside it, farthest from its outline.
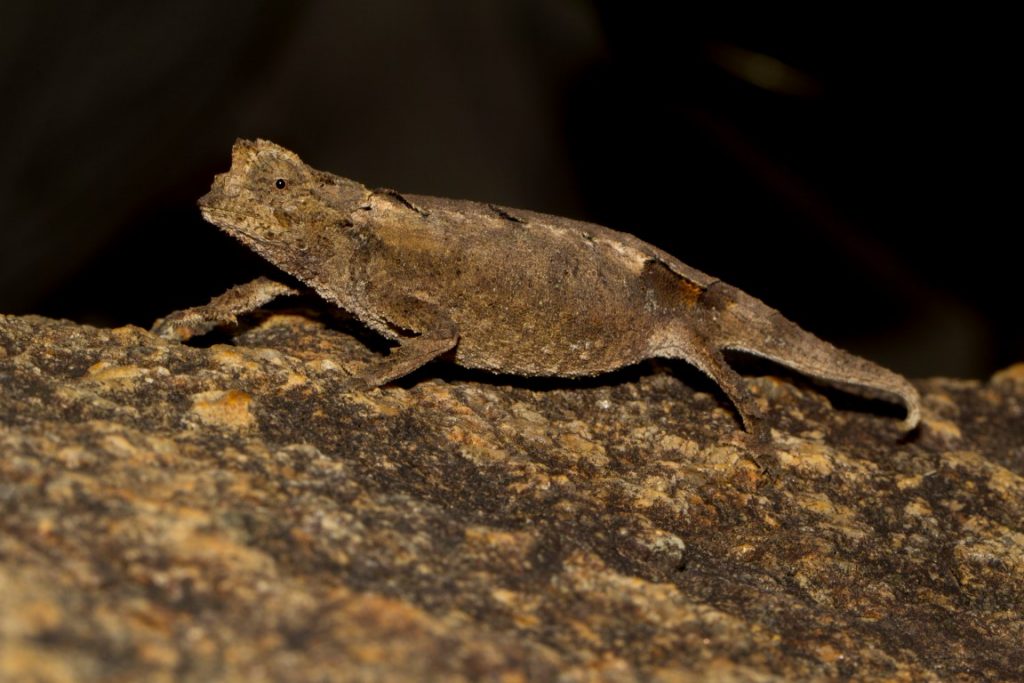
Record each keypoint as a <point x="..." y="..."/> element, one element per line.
<point x="499" y="289"/>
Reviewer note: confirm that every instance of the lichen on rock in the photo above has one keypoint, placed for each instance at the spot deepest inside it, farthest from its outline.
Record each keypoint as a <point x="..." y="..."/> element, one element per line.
<point x="233" y="512"/>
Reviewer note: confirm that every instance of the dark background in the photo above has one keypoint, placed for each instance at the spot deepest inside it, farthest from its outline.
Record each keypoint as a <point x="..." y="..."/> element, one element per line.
<point x="850" y="170"/>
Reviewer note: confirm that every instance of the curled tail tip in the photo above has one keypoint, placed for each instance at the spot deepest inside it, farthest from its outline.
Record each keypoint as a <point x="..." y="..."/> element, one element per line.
<point x="913" y="402"/>
<point x="912" y="420"/>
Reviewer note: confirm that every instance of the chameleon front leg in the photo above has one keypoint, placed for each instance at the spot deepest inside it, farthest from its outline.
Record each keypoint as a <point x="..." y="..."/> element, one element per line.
<point x="222" y="310"/>
<point x="435" y="333"/>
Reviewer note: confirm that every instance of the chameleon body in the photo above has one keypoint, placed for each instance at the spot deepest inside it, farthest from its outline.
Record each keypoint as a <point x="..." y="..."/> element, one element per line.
<point x="500" y="289"/>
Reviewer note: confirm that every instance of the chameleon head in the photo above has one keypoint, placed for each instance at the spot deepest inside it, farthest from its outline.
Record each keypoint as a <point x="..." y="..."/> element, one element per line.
<point x="277" y="205"/>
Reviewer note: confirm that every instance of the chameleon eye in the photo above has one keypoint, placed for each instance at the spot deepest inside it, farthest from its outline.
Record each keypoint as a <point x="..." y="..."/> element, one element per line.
<point x="279" y="183"/>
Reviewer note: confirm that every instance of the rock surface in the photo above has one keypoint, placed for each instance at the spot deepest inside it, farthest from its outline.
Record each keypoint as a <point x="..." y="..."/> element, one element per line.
<point x="172" y="512"/>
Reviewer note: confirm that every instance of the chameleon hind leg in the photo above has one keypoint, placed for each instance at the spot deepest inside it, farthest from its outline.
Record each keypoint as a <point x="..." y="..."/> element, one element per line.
<point x="707" y="359"/>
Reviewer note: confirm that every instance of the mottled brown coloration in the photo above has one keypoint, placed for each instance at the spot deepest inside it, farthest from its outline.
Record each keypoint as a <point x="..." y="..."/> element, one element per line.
<point x="501" y="289"/>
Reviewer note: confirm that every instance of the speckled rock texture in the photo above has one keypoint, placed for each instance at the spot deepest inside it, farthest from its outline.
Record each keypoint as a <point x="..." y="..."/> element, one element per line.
<point x="229" y="512"/>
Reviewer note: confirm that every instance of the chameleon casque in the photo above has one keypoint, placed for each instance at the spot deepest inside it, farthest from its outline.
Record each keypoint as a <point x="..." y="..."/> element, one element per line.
<point x="500" y="289"/>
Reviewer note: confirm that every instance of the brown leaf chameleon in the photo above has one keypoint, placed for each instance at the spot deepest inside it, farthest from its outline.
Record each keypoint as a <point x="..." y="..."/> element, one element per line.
<point x="500" y="289"/>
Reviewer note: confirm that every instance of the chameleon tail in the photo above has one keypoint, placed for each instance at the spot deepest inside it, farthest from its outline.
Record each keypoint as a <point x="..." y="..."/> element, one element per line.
<point x="748" y="325"/>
